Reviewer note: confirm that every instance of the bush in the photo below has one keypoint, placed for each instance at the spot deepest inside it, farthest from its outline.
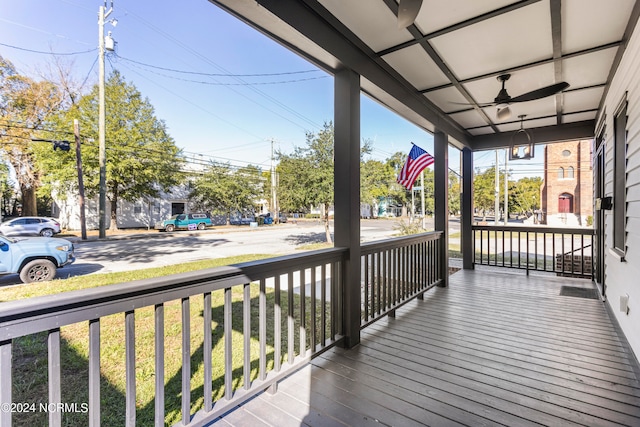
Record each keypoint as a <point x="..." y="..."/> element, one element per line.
<point x="589" y="220"/>
<point x="407" y="228"/>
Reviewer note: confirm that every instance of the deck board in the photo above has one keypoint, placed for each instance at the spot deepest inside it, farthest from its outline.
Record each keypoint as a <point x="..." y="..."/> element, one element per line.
<point x="491" y="349"/>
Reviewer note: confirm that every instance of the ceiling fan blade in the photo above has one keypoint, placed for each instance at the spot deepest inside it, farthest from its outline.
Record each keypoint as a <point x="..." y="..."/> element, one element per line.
<point x="540" y="93"/>
<point x="469" y="104"/>
<point x="407" y="12"/>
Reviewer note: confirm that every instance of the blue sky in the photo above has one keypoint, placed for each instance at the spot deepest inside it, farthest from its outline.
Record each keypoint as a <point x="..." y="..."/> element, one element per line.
<point x="273" y="93"/>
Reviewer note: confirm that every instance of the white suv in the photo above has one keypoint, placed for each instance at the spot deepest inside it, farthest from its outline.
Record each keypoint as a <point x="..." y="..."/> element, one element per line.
<point x="30" y="225"/>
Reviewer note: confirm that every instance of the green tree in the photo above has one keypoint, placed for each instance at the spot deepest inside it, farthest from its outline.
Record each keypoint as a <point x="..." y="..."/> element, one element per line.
<point x="6" y="190"/>
<point x="484" y="190"/>
<point x="396" y="191"/>
<point x="223" y="190"/>
<point x="524" y="195"/>
<point x="306" y="175"/>
<point x="142" y="158"/>
<point x="454" y="192"/>
<point x="25" y="105"/>
<point x="376" y="180"/>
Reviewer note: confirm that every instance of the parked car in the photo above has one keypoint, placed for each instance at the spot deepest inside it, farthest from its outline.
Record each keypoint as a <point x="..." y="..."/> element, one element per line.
<point x="35" y="259"/>
<point x="282" y="218"/>
<point x="30" y="225"/>
<point x="191" y="221"/>
<point x="246" y="219"/>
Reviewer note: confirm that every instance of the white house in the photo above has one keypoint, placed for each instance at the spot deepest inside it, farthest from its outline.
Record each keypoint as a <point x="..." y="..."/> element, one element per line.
<point x="616" y="164"/>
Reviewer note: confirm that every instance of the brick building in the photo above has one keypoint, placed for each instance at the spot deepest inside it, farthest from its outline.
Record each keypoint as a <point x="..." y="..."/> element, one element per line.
<point x="567" y="190"/>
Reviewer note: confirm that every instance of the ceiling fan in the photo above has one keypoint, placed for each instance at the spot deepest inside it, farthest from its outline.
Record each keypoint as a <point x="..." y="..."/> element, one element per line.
<point x="407" y="12"/>
<point x="503" y="100"/>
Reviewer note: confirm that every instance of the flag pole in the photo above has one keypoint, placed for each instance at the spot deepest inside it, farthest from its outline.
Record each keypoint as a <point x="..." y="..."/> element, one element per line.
<point x="424" y="219"/>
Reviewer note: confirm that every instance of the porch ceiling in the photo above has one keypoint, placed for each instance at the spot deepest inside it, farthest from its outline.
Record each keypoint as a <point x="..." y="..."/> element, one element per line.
<point x="440" y="71"/>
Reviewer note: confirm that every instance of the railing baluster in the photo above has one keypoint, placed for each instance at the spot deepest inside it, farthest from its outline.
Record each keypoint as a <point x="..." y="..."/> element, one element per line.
<point x="55" y="395"/>
<point x="262" y="328"/>
<point x="504" y="249"/>
<point x="481" y="246"/>
<point x="423" y="264"/>
<point x="94" y="373"/>
<point x="6" y="381"/>
<point x="186" y="360"/>
<point x="385" y="290"/>
<point x="290" y="319"/>
<point x="366" y="287"/>
<point x="323" y="304"/>
<point x="527" y="248"/>
<point x="562" y="255"/>
<point x="312" y="314"/>
<point x="573" y="272"/>
<point x="130" y="369"/>
<point x="246" y="330"/>
<point x="228" y="343"/>
<point x="535" y="245"/>
<point x="392" y="275"/>
<point x="303" y="312"/>
<point x="277" y="325"/>
<point x="544" y="242"/>
<point x="333" y="301"/>
<point x="553" y="251"/>
<point x="159" y="362"/>
<point x="378" y="285"/>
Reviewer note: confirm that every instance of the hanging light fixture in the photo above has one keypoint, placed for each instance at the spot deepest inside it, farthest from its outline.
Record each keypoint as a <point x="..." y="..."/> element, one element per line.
<point x="521" y="146"/>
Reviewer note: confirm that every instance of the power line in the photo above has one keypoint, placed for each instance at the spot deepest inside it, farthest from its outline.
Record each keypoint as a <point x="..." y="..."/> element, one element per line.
<point x="209" y="61"/>
<point x="233" y="84"/>
<point x="284" y="73"/>
<point x="48" y="53"/>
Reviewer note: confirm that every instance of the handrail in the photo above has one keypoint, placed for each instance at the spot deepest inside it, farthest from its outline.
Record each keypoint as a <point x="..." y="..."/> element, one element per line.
<point x="397" y="242"/>
<point x="578" y="249"/>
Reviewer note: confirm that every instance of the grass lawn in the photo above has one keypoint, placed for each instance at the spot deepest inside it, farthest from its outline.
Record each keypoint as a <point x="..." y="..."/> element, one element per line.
<point x="30" y="353"/>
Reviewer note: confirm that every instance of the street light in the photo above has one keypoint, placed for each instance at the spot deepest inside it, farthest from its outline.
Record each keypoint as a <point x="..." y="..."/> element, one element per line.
<point x="103" y="14"/>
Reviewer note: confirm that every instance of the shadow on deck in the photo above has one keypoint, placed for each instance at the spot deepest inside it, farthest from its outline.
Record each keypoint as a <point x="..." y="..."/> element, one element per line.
<point x="492" y="349"/>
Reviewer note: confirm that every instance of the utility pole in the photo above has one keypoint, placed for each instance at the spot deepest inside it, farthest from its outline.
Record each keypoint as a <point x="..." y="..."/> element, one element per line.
<point x="83" y="223"/>
<point x="506" y="187"/>
<point x="497" y="193"/>
<point x="102" y="157"/>
<point x="274" y="203"/>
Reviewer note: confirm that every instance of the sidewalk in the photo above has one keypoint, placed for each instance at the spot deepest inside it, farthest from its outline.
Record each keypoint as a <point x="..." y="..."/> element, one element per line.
<point x="75" y="236"/>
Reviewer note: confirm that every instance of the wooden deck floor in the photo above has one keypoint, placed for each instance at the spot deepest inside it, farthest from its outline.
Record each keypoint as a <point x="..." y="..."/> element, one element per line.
<point x="492" y="349"/>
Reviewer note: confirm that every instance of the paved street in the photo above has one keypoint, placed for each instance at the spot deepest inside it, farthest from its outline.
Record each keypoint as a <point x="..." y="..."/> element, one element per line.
<point x="155" y="249"/>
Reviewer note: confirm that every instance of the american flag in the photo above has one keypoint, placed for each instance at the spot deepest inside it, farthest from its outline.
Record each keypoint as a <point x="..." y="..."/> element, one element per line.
<point x="416" y="162"/>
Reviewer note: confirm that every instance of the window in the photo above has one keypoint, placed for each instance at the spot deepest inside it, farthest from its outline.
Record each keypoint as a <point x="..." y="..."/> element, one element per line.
<point x="566" y="153"/>
<point x="570" y="172"/>
<point x="560" y="173"/>
<point x="137" y="209"/>
<point x="620" y="178"/>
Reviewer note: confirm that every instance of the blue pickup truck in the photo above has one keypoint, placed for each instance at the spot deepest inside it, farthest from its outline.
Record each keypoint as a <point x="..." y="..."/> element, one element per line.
<point x="190" y="221"/>
<point x="35" y="259"/>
